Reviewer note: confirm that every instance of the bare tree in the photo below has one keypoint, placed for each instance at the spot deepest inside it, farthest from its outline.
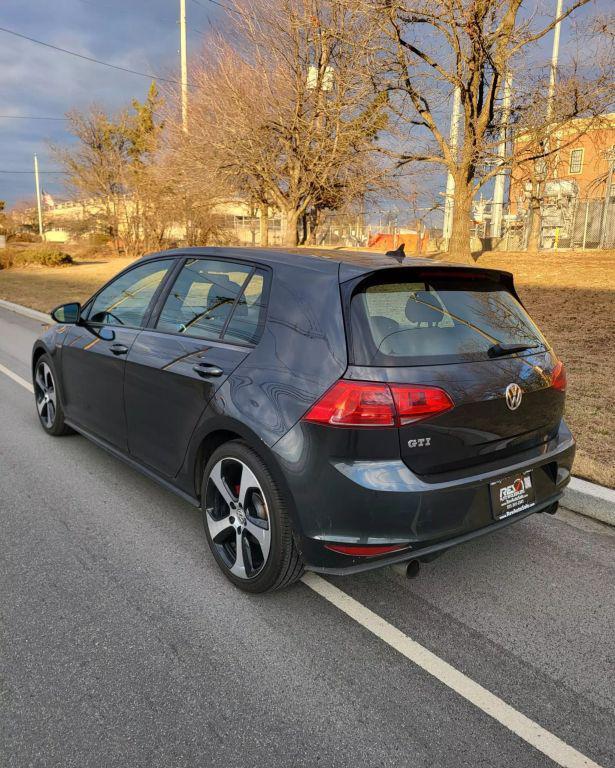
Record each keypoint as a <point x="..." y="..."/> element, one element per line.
<point x="281" y="111"/>
<point x="114" y="169"/>
<point x="433" y="47"/>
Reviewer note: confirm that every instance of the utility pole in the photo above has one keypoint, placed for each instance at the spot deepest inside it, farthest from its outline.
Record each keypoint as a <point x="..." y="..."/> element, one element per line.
<point x="450" y="181"/>
<point x="541" y="171"/>
<point x="184" y="63"/>
<point x="497" y="209"/>
<point x="553" y="79"/>
<point x="554" y="60"/>
<point x="38" y="198"/>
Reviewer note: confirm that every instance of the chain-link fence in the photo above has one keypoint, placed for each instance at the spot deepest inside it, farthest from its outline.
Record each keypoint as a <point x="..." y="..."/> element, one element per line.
<point x="594" y="224"/>
<point x="584" y="224"/>
<point x="343" y="230"/>
<point x="378" y="230"/>
<point x="245" y="230"/>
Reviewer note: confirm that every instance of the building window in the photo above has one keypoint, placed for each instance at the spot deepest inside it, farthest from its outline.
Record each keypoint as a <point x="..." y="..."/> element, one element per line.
<point x="576" y="161"/>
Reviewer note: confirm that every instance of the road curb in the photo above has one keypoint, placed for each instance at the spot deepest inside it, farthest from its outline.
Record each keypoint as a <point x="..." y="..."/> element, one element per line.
<point x="33" y="314"/>
<point x="580" y="496"/>
<point x="591" y="500"/>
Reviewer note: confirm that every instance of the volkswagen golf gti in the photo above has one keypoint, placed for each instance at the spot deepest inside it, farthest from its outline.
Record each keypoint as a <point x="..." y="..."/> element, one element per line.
<point x="326" y="412"/>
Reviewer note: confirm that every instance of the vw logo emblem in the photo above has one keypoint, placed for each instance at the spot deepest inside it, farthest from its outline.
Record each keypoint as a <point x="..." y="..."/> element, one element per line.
<point x="514" y="393"/>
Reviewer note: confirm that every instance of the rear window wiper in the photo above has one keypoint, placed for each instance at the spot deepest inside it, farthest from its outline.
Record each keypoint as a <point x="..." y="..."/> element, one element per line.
<point x="499" y="350"/>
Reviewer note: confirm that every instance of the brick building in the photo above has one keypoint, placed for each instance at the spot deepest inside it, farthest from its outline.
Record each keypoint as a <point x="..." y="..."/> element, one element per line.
<point x="583" y="158"/>
<point x="575" y="180"/>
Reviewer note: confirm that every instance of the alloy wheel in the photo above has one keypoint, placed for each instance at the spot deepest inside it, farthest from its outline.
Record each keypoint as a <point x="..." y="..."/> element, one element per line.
<point x="238" y="517"/>
<point x="45" y="393"/>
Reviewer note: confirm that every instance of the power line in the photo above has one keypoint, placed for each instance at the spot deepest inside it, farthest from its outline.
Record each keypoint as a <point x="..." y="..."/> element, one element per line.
<point x="29" y="117"/>
<point x="149" y="75"/>
<point x="213" y="2"/>
<point x="1" y="171"/>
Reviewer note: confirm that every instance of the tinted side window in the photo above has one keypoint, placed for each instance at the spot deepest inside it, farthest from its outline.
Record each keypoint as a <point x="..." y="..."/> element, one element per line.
<point x="201" y="300"/>
<point x="246" y="322"/>
<point x="126" y="300"/>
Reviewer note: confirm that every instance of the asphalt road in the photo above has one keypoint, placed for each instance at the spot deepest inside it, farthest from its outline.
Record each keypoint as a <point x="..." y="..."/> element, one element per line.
<point x="121" y="644"/>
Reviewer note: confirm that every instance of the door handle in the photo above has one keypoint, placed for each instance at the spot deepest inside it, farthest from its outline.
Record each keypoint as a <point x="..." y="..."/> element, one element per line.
<point x="118" y="349"/>
<point x="205" y="369"/>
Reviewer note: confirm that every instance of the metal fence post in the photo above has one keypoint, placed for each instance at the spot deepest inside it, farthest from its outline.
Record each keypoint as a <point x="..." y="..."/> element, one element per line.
<point x="607" y="198"/>
<point x="585" y="224"/>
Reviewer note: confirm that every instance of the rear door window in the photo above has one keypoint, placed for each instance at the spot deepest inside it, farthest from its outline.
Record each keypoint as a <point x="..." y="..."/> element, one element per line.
<point x="214" y="300"/>
<point x="245" y="323"/>
<point x="434" y="320"/>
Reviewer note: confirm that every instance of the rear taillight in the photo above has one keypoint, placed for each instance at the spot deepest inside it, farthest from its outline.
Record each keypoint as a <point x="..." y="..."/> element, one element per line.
<point x="558" y="377"/>
<point x="356" y="403"/>
<point x="366" y="404"/>
<point x="414" y="403"/>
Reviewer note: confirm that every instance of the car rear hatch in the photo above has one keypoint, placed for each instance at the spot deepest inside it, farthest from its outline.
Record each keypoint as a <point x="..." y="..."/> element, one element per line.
<point x="426" y="331"/>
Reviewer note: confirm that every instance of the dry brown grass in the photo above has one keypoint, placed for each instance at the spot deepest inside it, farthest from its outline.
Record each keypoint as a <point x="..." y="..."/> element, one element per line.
<point x="571" y="295"/>
<point x="45" y="287"/>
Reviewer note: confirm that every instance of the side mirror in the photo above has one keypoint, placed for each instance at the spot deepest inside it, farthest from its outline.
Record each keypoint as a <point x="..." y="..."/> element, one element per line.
<point x="67" y="313"/>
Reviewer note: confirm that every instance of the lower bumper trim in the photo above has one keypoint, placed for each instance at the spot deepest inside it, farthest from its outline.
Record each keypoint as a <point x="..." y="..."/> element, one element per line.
<point x="414" y="554"/>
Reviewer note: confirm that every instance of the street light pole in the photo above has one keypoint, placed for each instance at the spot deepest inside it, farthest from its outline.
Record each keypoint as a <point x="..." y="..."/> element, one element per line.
<point x="183" y="63"/>
<point x="38" y="198"/>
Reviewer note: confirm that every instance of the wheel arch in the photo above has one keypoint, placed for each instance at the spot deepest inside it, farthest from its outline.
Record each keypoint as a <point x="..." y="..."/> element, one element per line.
<point x="204" y="450"/>
<point x="37" y="352"/>
<point x="222" y="431"/>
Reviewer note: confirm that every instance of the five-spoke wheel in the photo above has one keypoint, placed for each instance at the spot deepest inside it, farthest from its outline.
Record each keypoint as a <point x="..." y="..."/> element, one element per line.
<point x="246" y="521"/>
<point x="47" y="397"/>
<point x="45" y="394"/>
<point x="237" y="517"/>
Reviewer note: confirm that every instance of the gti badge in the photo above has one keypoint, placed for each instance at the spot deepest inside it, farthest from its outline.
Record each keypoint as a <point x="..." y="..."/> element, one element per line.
<point x="514" y="393"/>
<point x="420" y="442"/>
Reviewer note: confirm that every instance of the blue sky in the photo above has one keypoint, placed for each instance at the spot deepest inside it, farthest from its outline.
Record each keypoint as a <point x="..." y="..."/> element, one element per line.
<point x="137" y="34"/>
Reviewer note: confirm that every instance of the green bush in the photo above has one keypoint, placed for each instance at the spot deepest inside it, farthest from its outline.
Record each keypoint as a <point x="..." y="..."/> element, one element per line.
<point x="43" y="254"/>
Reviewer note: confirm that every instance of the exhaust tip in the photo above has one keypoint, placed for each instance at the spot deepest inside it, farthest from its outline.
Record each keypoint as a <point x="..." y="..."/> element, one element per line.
<point x="412" y="569"/>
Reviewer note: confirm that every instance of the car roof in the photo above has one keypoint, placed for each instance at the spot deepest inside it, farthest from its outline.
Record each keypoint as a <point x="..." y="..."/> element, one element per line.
<point x="352" y="263"/>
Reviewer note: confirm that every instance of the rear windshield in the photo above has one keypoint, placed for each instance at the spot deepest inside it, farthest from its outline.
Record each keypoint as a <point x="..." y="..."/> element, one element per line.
<point x="437" y="320"/>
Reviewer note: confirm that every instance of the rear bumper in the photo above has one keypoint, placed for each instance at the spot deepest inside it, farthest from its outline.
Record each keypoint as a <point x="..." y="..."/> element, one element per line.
<point x="383" y="502"/>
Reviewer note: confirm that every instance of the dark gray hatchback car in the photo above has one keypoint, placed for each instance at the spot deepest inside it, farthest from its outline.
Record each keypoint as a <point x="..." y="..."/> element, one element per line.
<point x="330" y="412"/>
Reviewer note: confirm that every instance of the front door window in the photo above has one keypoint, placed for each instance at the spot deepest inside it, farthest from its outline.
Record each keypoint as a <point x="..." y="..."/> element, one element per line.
<point x="126" y="300"/>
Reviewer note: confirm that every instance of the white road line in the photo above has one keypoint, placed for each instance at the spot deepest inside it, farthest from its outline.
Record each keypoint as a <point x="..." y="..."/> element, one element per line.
<point x="25" y="384"/>
<point x="534" y="734"/>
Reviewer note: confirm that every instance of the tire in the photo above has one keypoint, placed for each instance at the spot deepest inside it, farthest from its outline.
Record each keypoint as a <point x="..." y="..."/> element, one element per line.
<point x="47" y="398"/>
<point x="243" y="507"/>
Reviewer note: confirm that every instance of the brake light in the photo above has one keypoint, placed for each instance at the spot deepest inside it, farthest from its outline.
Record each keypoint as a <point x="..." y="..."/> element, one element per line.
<point x="414" y="403"/>
<point x="355" y="403"/>
<point x="368" y="404"/>
<point x="558" y="377"/>
<point x="367" y="551"/>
